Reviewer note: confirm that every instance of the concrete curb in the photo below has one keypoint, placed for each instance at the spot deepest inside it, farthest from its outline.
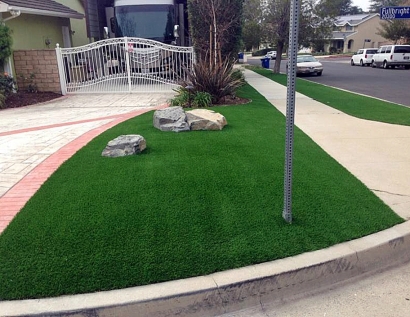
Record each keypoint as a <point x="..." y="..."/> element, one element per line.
<point x="232" y="290"/>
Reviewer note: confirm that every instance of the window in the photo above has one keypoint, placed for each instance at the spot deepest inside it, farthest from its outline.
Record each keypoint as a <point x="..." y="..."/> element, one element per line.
<point x="349" y="28"/>
<point x="402" y="49"/>
<point x="388" y="49"/>
<point x="155" y="22"/>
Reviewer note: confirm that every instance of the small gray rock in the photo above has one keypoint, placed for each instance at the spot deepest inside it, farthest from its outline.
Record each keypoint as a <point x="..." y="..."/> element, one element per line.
<point x="171" y="119"/>
<point x="124" y="145"/>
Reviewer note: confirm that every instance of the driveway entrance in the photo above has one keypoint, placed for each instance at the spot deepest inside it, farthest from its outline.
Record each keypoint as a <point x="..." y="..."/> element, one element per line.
<point x="123" y="65"/>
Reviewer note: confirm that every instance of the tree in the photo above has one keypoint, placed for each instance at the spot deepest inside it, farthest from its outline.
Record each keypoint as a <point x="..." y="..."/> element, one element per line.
<point x="315" y="23"/>
<point x="344" y="6"/>
<point x="252" y="28"/>
<point x="6" y="42"/>
<point x="396" y="30"/>
<point x="338" y="7"/>
<point x="375" y="5"/>
<point x="277" y="27"/>
<point x="216" y="28"/>
<point x="355" y="10"/>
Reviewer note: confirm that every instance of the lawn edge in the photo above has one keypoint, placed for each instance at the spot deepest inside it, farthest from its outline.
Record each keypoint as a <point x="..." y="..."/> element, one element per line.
<point x="236" y="289"/>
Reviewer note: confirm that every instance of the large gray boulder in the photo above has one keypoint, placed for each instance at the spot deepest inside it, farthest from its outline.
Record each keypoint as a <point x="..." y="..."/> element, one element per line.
<point x="124" y="145"/>
<point x="171" y="119"/>
<point x="202" y="119"/>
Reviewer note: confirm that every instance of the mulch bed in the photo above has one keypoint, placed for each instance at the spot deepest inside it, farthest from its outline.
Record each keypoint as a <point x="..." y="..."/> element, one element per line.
<point x="24" y="98"/>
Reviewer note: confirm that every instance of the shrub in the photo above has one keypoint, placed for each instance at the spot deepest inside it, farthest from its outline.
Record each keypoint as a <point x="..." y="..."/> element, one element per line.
<point x="182" y="99"/>
<point x="332" y="50"/>
<point x="2" y="101"/>
<point x="29" y="82"/>
<point x="6" y="42"/>
<point x="188" y="97"/>
<point x="237" y="74"/>
<point x="202" y="99"/>
<point x="209" y="84"/>
<point x="6" y="84"/>
<point x="217" y="80"/>
<point x="6" y="88"/>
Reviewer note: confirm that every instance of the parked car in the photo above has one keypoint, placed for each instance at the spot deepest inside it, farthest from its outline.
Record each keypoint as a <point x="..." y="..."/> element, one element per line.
<point x="307" y="64"/>
<point x="271" y="54"/>
<point x="363" y="57"/>
<point x="390" y="56"/>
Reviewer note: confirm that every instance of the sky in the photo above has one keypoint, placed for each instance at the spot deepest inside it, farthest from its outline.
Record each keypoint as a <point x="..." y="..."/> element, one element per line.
<point x="364" y="4"/>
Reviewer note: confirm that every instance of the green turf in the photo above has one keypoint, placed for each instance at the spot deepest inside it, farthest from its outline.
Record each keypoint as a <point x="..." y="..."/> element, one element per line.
<point x="355" y="105"/>
<point x="194" y="203"/>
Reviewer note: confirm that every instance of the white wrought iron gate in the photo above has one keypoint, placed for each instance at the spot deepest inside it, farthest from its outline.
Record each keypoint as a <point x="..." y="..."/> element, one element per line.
<point x="123" y="65"/>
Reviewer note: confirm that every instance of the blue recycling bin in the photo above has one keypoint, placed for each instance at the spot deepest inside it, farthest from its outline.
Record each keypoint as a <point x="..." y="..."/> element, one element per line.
<point x="265" y="62"/>
<point x="240" y="55"/>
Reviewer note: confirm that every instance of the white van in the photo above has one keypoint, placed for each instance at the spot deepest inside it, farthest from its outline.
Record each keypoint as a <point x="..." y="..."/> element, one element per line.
<point x="389" y="56"/>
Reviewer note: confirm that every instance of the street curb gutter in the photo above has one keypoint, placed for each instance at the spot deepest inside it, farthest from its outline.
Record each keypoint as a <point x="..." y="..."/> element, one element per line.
<point x="232" y="290"/>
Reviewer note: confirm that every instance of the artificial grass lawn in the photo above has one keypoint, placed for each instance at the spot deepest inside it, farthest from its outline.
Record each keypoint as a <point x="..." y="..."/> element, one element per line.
<point x="194" y="203"/>
<point x="352" y="104"/>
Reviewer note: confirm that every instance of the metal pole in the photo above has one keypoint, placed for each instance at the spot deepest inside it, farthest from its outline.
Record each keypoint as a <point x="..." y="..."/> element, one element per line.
<point x="290" y="107"/>
<point x="127" y="63"/>
<point x="61" y="70"/>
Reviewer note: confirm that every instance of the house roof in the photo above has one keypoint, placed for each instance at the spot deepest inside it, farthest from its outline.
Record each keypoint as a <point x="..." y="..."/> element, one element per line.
<point x="336" y="35"/>
<point x="40" y="7"/>
<point x="354" y="20"/>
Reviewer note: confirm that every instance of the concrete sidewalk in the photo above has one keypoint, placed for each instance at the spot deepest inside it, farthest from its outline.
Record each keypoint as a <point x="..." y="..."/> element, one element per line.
<point x="377" y="154"/>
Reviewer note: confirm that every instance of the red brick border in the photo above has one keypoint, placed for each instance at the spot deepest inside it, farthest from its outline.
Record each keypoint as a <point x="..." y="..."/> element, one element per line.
<point x="15" y="199"/>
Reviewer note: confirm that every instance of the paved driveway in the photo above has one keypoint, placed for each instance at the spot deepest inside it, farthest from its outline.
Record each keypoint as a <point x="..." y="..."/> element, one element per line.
<point x="31" y="135"/>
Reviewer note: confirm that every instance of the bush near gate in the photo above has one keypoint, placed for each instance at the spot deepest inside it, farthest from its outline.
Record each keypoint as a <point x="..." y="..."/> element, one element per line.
<point x="209" y="85"/>
<point x="6" y="88"/>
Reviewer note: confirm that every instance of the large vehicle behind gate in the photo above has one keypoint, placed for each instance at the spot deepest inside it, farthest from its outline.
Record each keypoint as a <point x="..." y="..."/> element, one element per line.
<point x="148" y="48"/>
<point x="165" y="21"/>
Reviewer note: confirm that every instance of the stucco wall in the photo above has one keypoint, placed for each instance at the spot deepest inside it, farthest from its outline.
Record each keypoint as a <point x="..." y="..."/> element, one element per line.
<point x="355" y="39"/>
<point x="79" y="27"/>
<point x="368" y="30"/>
<point x="41" y="63"/>
<point x="31" y="31"/>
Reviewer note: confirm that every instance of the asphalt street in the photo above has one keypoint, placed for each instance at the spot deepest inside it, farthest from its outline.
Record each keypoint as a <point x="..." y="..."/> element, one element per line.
<point x="386" y="84"/>
<point x="385" y="294"/>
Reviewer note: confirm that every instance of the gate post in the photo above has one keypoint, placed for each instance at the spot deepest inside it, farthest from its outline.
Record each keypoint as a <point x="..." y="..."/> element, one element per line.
<point x="127" y="62"/>
<point x="61" y="71"/>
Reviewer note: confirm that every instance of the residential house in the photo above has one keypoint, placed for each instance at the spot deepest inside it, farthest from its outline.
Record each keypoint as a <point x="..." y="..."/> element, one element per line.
<point x="78" y="28"/>
<point x="37" y="26"/>
<point x="353" y="32"/>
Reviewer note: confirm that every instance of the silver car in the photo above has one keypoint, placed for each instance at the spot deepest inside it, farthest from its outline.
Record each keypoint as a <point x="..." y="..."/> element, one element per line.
<point x="308" y="65"/>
